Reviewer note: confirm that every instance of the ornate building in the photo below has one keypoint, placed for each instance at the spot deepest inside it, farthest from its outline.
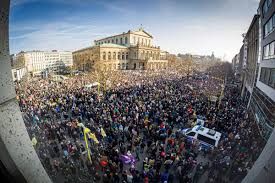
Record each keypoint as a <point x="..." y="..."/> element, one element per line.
<point x="132" y="50"/>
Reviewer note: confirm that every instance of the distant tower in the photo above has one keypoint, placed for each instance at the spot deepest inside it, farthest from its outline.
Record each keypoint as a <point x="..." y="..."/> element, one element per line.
<point x="212" y="56"/>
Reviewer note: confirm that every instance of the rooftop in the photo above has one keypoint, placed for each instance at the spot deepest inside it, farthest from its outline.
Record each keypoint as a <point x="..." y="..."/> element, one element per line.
<point x="111" y="45"/>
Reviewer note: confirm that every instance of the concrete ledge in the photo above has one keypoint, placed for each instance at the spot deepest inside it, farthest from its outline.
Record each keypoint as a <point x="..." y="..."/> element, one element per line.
<point x="17" y="142"/>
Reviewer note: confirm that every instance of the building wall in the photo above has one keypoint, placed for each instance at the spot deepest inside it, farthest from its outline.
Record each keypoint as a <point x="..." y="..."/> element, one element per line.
<point x="139" y="37"/>
<point x="66" y="58"/>
<point x="116" y="54"/>
<point x="131" y="38"/>
<point x="38" y="61"/>
<point x="263" y="96"/>
<point x="252" y="44"/>
<point x="268" y="58"/>
<point x="121" y="39"/>
<point x="84" y="59"/>
<point x="34" y="61"/>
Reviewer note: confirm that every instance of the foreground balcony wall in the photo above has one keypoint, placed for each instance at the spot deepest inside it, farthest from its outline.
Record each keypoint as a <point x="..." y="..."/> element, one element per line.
<point x="17" y="153"/>
<point x="264" y="168"/>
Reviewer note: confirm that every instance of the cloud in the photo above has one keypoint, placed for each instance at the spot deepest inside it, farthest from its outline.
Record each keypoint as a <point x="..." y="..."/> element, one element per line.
<point x="58" y="35"/>
<point x="178" y="26"/>
<point x="14" y="3"/>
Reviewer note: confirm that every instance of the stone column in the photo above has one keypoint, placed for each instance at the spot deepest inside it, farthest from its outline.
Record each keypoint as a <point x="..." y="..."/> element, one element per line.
<point x="264" y="168"/>
<point x="17" y="153"/>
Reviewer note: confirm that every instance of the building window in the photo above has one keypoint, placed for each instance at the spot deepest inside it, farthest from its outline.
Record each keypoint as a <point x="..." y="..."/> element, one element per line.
<point x="104" y="56"/>
<point x="127" y="55"/>
<point x="114" y="56"/>
<point x="123" y="65"/>
<point x="269" y="51"/>
<point x="126" y="40"/>
<point x="116" y="41"/>
<point x="123" y="56"/>
<point x="271" y="81"/>
<point x="109" y="56"/>
<point x="269" y="26"/>
<point x="108" y="41"/>
<point x="267" y="76"/>
<point x="112" y="41"/>
<point x="266" y="6"/>
<point x="119" y="56"/>
<point x="121" y="40"/>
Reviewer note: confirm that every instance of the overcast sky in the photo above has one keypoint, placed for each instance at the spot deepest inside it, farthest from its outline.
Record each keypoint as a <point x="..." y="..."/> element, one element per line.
<point x="178" y="26"/>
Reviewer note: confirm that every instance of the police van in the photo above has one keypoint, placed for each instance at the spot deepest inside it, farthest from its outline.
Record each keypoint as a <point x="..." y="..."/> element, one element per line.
<point x="207" y="138"/>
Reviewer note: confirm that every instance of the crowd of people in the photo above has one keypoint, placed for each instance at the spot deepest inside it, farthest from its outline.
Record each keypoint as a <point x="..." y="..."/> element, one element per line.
<point x="140" y="116"/>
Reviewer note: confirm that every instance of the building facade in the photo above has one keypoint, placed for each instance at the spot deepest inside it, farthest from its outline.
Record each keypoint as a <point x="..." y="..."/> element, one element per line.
<point x="262" y="103"/>
<point x="236" y="65"/>
<point x="37" y="62"/>
<point x="250" y="67"/>
<point x="132" y="50"/>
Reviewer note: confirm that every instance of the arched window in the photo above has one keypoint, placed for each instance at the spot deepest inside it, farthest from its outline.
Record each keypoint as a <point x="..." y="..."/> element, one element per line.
<point x="109" y="56"/>
<point x="143" y="55"/>
<point x="127" y="66"/>
<point x="126" y="40"/>
<point x="147" y="55"/>
<point x="119" y="56"/>
<point x="123" y="65"/>
<point x="123" y="56"/>
<point x="118" y="66"/>
<point x="127" y="55"/>
<point x="121" y="40"/>
<point x="114" y="56"/>
<point x="104" y="56"/>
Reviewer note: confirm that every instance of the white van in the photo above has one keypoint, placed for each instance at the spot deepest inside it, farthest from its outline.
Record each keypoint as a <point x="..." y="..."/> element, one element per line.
<point x="208" y="138"/>
<point x="92" y="85"/>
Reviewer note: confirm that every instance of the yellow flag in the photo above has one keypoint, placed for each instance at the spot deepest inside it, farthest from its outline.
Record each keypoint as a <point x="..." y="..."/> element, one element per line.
<point x="102" y="132"/>
<point x="86" y="130"/>
<point x="92" y="136"/>
<point x="34" y="141"/>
